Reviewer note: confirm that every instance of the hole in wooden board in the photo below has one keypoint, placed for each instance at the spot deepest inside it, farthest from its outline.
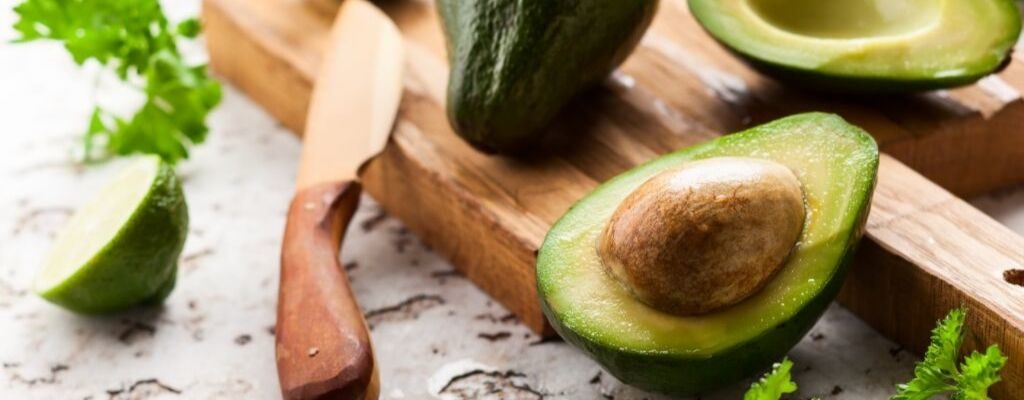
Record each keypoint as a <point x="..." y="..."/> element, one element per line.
<point x="1014" y="276"/>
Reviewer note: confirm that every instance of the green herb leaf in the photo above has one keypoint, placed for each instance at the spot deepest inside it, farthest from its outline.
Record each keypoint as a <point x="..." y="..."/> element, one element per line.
<point x="774" y="384"/>
<point x="939" y="374"/>
<point x="978" y="372"/>
<point x="134" y="38"/>
<point x="189" y="28"/>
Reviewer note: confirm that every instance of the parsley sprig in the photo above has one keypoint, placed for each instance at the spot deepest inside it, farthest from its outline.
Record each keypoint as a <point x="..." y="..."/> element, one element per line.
<point x="774" y="384"/>
<point x="135" y="39"/>
<point x="939" y="373"/>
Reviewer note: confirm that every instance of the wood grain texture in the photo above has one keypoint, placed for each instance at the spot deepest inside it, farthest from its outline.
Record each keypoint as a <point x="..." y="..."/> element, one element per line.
<point x="928" y="252"/>
<point x="488" y="215"/>
<point x="323" y="348"/>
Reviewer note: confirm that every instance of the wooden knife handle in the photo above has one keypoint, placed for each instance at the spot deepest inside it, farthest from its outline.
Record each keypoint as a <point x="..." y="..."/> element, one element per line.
<point x="323" y="346"/>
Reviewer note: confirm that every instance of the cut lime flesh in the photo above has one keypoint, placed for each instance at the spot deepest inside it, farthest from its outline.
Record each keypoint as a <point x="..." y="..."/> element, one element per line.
<point x="95" y="224"/>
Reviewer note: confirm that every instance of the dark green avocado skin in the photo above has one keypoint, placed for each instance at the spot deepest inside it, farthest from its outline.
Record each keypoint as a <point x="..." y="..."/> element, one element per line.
<point x="516" y="63"/>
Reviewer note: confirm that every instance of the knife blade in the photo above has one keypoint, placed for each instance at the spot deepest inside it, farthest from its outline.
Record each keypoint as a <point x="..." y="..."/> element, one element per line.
<point x="356" y="95"/>
<point x="323" y="347"/>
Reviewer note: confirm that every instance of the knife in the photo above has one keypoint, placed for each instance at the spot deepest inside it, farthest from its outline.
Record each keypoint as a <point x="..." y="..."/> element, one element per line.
<point x="323" y="348"/>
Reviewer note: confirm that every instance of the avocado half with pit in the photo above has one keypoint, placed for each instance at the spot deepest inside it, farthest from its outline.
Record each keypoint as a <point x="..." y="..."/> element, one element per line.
<point x="865" y="46"/>
<point x="706" y="265"/>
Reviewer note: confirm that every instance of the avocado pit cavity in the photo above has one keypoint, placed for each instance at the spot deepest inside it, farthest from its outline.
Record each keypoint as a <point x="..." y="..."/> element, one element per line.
<point x="848" y="19"/>
<point x="706" y="235"/>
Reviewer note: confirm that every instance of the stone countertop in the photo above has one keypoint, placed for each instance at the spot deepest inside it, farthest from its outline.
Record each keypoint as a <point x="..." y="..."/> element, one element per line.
<point x="436" y="335"/>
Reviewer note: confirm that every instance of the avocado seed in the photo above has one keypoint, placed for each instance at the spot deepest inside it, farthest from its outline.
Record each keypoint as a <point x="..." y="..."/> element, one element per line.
<point x="704" y="236"/>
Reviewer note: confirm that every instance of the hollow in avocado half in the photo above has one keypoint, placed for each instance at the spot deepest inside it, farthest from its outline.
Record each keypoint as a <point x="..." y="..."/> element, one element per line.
<point x="865" y="46"/>
<point x="704" y="266"/>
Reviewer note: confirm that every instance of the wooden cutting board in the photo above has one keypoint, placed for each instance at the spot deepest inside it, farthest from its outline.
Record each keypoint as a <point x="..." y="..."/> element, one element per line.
<point x="926" y="251"/>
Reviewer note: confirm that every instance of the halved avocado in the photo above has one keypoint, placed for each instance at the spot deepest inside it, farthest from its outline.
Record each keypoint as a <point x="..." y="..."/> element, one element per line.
<point x="865" y="46"/>
<point x="836" y="164"/>
<point x="516" y="63"/>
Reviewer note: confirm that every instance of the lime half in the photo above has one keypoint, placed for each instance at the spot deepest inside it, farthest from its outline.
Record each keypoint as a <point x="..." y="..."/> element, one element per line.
<point x="122" y="247"/>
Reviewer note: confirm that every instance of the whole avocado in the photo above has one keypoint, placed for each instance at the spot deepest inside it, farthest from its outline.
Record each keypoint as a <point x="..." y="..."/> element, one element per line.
<point x="516" y="63"/>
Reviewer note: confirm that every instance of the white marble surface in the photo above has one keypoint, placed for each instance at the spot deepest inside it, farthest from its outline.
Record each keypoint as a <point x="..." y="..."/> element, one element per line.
<point x="213" y="339"/>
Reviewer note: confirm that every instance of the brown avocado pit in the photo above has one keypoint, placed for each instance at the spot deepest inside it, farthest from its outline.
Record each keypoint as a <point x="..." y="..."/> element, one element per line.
<point x="704" y="236"/>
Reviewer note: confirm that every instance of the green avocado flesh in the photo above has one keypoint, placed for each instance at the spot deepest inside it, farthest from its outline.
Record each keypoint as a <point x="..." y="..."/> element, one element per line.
<point x="516" y="63"/>
<point x="866" y="45"/>
<point x="836" y="164"/>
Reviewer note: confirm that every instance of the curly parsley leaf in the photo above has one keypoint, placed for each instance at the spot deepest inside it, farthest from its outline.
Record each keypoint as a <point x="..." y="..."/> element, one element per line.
<point x="134" y="38"/>
<point x="979" y="372"/>
<point x="189" y="28"/>
<point x="939" y="373"/>
<point x="774" y="384"/>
